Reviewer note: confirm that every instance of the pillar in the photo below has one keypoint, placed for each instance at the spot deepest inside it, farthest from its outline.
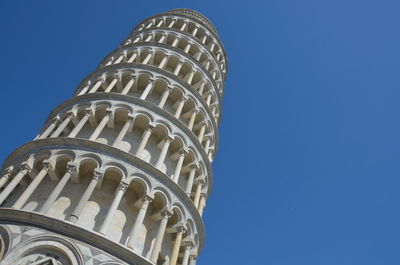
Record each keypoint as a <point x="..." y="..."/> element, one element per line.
<point x="33" y="185"/>
<point x="160" y="236"/>
<point x="24" y="169"/>
<point x="123" y="131"/>
<point x="6" y="176"/>
<point x="189" y="184"/>
<point x="186" y="253"/>
<point x="139" y="221"/>
<point x="192" y="119"/>
<point x="96" y="86"/>
<point x="114" y="205"/>
<point x="196" y="199"/>
<point x="179" y="164"/>
<point x="63" y="125"/>
<point x="177" y="245"/>
<point x="201" y="133"/>
<point x="163" y="153"/>
<point x="97" y="175"/>
<point x="49" y="129"/>
<point x="101" y="125"/>
<point x="164" y="97"/>
<point x="81" y="123"/>
<point x="147" y="90"/>
<point x="128" y="86"/>
<point x="145" y="139"/>
<point x="202" y="204"/>
<point x="179" y="108"/>
<point x="71" y="170"/>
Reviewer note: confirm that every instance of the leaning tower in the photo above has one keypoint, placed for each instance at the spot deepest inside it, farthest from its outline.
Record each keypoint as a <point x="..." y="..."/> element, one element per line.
<point x="121" y="172"/>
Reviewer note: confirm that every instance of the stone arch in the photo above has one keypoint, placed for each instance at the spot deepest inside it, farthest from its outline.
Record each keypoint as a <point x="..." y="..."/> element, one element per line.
<point x="143" y="180"/>
<point x="5" y="241"/>
<point x="45" y="247"/>
<point x="164" y="197"/>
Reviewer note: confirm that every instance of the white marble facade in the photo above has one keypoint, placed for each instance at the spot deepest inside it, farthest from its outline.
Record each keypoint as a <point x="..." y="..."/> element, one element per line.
<point x="120" y="173"/>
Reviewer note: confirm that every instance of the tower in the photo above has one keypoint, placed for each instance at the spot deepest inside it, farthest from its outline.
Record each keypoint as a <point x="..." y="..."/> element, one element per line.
<point x="120" y="172"/>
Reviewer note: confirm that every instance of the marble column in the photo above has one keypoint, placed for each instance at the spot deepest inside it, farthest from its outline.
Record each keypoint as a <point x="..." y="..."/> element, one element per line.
<point x="196" y="199"/>
<point x="49" y="129"/>
<point x="113" y="207"/>
<point x="160" y="235"/>
<point x="6" y="176"/>
<point x="190" y="181"/>
<point x="101" y="125"/>
<point x="128" y="86"/>
<point x="24" y="169"/>
<point x="128" y="124"/>
<point x="201" y="133"/>
<point x="192" y="119"/>
<point x="139" y="221"/>
<point x="145" y="139"/>
<point x="97" y="175"/>
<point x="177" y="245"/>
<point x="179" y="164"/>
<point x="180" y="108"/>
<point x="147" y="90"/>
<point x="164" y="97"/>
<point x="71" y="170"/>
<point x="186" y="253"/>
<point x="163" y="153"/>
<point x="81" y="123"/>
<point x="63" y="125"/>
<point x="96" y="85"/>
<point x="47" y="165"/>
<point x="202" y="204"/>
<point x="178" y="68"/>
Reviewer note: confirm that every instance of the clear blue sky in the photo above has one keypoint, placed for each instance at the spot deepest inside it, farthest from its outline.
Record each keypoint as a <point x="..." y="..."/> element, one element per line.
<point x="307" y="171"/>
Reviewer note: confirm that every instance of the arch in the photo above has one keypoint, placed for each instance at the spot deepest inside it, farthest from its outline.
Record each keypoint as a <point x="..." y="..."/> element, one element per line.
<point x="143" y="180"/>
<point x="163" y="194"/>
<point x="5" y="242"/>
<point x="115" y="167"/>
<point x="65" y="250"/>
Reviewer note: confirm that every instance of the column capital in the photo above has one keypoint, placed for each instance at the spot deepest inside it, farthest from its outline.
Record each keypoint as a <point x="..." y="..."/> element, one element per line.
<point x="97" y="174"/>
<point x="55" y="119"/>
<point x="181" y="229"/>
<point x="150" y="127"/>
<point x="194" y="165"/>
<point x="48" y="165"/>
<point x="123" y="186"/>
<point x="72" y="168"/>
<point x="167" y="213"/>
<point x="109" y="112"/>
<point x="101" y="78"/>
<point x="200" y="181"/>
<point x="188" y="243"/>
<point x="169" y="138"/>
<point x="25" y="166"/>
<point x="9" y="170"/>
<point x="183" y="152"/>
<point x="147" y="197"/>
<point x="70" y="114"/>
<point x="89" y="112"/>
<point x="131" y="117"/>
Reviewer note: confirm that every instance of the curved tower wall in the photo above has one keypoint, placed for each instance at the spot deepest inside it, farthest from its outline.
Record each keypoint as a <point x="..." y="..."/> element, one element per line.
<point x="121" y="172"/>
